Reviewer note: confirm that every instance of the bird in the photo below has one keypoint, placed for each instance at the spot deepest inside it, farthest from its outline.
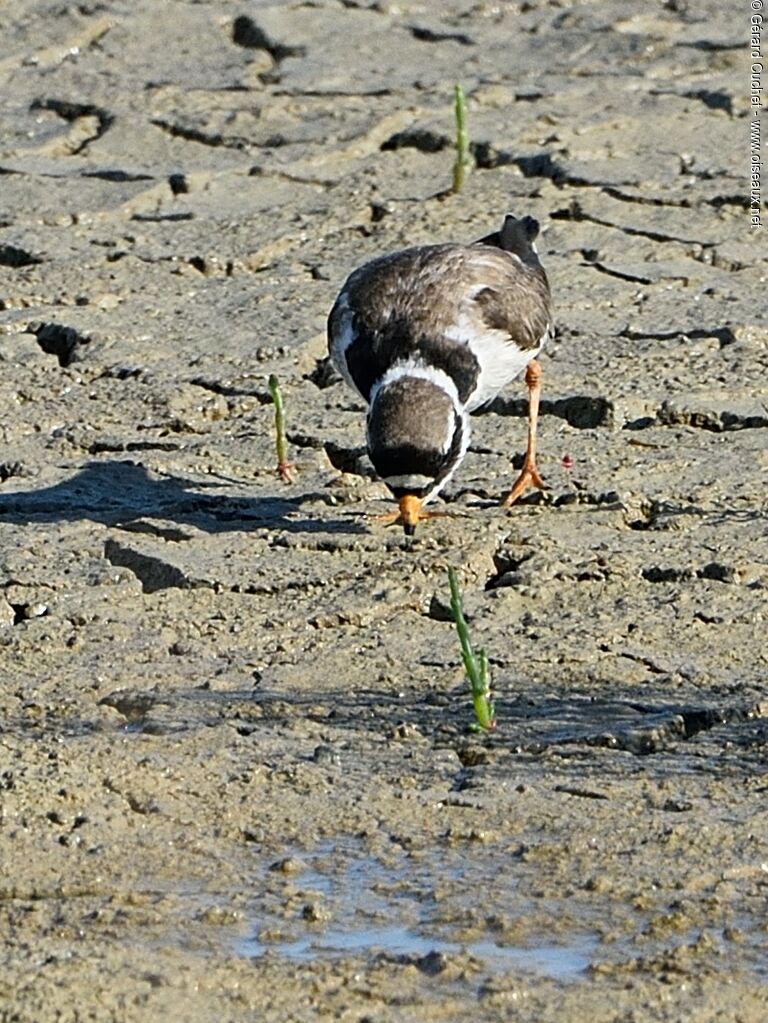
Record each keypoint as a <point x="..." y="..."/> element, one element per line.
<point x="431" y="333"/>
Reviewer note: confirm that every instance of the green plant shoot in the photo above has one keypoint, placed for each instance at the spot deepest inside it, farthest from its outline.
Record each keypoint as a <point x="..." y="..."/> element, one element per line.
<point x="284" y="467"/>
<point x="475" y="664"/>
<point x="463" y="163"/>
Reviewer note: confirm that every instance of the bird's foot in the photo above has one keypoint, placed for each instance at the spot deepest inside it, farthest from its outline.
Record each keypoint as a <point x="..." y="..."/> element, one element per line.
<point x="396" y="518"/>
<point x="529" y="477"/>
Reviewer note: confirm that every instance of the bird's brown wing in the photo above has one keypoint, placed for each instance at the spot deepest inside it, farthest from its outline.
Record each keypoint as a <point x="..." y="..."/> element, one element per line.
<point x="510" y="295"/>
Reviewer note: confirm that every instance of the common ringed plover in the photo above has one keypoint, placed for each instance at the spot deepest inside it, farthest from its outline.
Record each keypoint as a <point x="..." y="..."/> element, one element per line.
<point x="431" y="333"/>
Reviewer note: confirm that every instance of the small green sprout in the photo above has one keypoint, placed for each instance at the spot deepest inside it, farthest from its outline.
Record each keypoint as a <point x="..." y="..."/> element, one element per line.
<point x="284" y="467"/>
<point x="463" y="163"/>
<point x="475" y="664"/>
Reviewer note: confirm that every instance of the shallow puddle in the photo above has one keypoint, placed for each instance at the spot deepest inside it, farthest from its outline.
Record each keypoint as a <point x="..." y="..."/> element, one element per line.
<point x="347" y="902"/>
<point x="561" y="962"/>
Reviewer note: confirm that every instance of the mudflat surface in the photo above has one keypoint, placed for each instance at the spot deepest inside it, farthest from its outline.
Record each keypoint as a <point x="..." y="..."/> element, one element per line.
<point x="236" y="775"/>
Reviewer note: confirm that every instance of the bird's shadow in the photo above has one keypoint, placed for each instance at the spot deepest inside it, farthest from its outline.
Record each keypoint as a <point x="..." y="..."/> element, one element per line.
<point x="118" y="492"/>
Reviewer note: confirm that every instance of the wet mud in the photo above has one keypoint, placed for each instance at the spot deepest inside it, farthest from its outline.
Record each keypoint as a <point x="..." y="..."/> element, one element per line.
<point x="237" y="778"/>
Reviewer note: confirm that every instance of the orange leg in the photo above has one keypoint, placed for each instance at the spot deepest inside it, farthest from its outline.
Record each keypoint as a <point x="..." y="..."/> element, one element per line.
<point x="529" y="476"/>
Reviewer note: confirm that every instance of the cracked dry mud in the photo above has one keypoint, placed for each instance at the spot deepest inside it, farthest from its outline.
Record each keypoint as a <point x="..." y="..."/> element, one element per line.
<point x="236" y="778"/>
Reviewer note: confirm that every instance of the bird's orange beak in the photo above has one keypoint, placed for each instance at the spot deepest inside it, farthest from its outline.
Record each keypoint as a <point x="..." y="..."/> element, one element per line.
<point x="410" y="513"/>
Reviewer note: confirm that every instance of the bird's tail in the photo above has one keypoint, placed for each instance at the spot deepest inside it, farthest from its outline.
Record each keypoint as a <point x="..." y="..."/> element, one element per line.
<point x="516" y="236"/>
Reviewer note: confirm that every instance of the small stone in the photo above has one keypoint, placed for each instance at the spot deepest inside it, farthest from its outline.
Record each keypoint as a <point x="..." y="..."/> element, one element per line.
<point x="35" y="610"/>
<point x="326" y="754"/>
<point x="677" y="805"/>
<point x="7" y="614"/>
<point x="405" y="731"/>
<point x="288" y="865"/>
<point x="219" y="916"/>
<point x="315" y="913"/>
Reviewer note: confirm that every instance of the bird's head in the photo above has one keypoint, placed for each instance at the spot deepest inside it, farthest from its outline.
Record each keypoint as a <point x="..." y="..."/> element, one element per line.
<point x="417" y="436"/>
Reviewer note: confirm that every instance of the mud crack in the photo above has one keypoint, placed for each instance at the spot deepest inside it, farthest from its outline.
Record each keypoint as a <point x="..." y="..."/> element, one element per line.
<point x="713" y="420"/>
<point x="76" y="111"/>
<point x="429" y="35"/>
<point x="575" y="212"/>
<point x="683" y="723"/>
<point x="582" y="411"/>
<point x="189" y="134"/>
<point x="724" y="335"/>
<point x="152" y="572"/>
